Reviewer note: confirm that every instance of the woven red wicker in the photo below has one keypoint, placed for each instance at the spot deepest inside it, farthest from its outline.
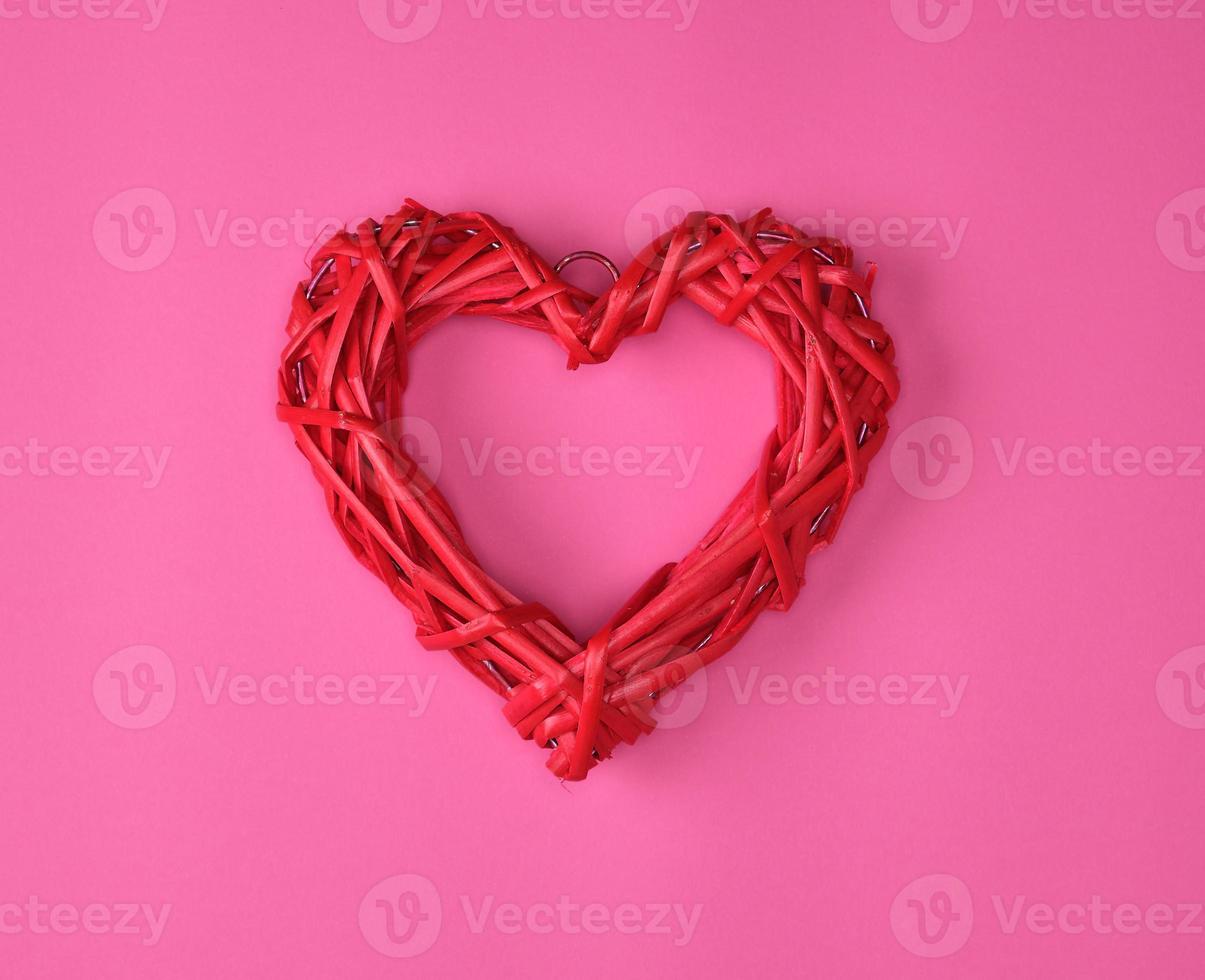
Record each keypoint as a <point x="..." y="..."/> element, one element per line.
<point x="377" y="292"/>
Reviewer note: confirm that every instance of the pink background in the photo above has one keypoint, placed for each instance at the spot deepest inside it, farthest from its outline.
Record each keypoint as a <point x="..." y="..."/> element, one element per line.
<point x="1070" y="311"/>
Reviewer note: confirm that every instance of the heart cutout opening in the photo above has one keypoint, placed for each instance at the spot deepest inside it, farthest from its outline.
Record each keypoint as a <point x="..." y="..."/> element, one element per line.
<point x="570" y="485"/>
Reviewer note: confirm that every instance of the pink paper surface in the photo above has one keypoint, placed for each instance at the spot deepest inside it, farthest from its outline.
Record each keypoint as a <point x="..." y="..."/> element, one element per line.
<point x="974" y="746"/>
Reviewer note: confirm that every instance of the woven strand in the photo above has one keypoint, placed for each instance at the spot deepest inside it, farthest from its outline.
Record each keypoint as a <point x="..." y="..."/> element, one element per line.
<point x="344" y="372"/>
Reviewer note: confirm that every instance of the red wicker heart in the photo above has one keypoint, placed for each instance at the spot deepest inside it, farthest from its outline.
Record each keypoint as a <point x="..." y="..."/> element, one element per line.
<point x="344" y="373"/>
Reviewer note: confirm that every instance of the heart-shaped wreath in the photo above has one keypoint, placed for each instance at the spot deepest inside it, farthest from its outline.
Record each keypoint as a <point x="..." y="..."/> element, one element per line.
<point x="375" y="293"/>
